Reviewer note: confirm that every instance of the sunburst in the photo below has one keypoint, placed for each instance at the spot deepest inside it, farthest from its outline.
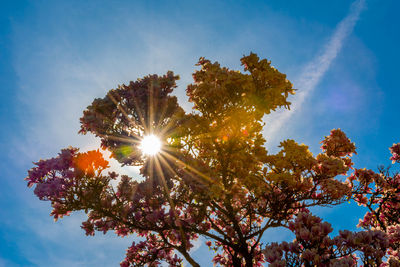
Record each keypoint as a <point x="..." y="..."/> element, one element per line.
<point x="150" y="145"/>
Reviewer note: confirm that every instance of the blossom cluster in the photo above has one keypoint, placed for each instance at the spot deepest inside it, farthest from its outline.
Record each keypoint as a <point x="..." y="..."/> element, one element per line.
<point x="151" y="252"/>
<point x="53" y="176"/>
<point x="395" y="150"/>
<point x="379" y="192"/>
<point x="314" y="247"/>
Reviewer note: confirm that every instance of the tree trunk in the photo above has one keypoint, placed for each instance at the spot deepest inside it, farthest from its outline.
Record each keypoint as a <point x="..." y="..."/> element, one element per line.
<point x="249" y="261"/>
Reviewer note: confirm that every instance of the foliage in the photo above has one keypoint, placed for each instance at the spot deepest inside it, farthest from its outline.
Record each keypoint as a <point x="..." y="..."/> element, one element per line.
<point x="214" y="178"/>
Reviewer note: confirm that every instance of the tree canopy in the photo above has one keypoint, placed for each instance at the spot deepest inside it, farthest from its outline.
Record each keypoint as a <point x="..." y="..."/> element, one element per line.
<point x="214" y="179"/>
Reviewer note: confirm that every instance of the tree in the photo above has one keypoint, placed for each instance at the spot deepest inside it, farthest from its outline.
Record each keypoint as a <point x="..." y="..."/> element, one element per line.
<point x="214" y="178"/>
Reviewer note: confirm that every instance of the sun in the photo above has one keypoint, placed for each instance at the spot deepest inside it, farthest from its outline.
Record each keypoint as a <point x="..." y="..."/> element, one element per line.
<point x="150" y="145"/>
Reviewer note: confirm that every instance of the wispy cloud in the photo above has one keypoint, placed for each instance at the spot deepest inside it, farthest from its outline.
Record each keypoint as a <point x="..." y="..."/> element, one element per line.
<point x="313" y="72"/>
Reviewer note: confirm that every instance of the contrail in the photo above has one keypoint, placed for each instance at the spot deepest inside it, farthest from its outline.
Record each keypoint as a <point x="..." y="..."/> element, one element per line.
<point x="315" y="70"/>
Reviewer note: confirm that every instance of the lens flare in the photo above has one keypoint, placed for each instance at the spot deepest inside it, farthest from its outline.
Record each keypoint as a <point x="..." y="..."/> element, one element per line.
<point x="150" y="145"/>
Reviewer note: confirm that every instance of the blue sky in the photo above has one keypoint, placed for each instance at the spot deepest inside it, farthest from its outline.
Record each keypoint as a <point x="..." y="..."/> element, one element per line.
<point x="57" y="56"/>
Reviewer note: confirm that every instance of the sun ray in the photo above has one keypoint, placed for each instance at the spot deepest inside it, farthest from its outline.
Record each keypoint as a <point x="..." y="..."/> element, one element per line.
<point x="140" y="114"/>
<point x="119" y="106"/>
<point x="162" y="111"/>
<point x="121" y="138"/>
<point x="172" y="170"/>
<point x="167" y="127"/>
<point x="190" y="168"/>
<point x="150" y="107"/>
<point x="150" y="168"/>
<point x="170" y="200"/>
<point x="165" y="163"/>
